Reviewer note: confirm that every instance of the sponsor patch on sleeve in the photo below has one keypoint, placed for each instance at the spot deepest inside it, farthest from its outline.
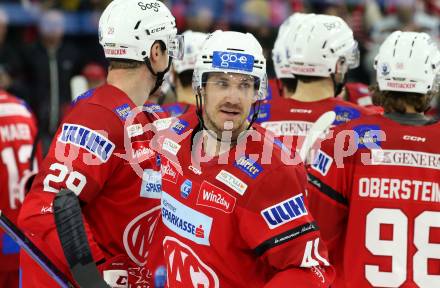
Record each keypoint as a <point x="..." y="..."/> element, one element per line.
<point x="322" y="162"/>
<point x="284" y="212"/>
<point x="345" y="114"/>
<point x="263" y="113"/>
<point x="248" y="166"/>
<point x="180" y="126"/>
<point x="87" y="139"/>
<point x="123" y="111"/>
<point x="367" y="136"/>
<point x="153" y="108"/>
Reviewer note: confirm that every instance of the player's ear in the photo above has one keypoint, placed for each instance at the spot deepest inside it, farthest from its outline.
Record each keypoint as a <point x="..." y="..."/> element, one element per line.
<point x="158" y="50"/>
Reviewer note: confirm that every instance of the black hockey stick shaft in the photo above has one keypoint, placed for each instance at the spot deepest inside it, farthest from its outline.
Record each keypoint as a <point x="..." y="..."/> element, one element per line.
<point x="26" y="244"/>
<point x="73" y="238"/>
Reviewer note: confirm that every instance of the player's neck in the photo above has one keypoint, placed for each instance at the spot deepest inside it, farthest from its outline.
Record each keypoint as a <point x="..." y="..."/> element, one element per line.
<point x="185" y="95"/>
<point x="136" y="84"/>
<point x="314" y="91"/>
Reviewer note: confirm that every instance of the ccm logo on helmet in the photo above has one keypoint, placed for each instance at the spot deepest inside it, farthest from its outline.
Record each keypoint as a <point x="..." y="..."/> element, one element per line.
<point x="414" y="138"/>
<point x="155" y="30"/>
<point x="154" y="6"/>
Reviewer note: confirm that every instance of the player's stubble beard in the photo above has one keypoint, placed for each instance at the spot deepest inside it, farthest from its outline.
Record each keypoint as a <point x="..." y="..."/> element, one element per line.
<point x="227" y="131"/>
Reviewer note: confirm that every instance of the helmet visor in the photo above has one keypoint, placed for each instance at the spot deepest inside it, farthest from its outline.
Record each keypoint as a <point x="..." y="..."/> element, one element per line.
<point x="354" y="56"/>
<point x="176" y="46"/>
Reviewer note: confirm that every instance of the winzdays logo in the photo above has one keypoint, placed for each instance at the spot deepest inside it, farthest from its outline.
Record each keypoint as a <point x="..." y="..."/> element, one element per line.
<point x="151" y="184"/>
<point x="123" y="111"/>
<point x="141" y="151"/>
<point x="345" y="114"/>
<point x="248" y="166"/>
<point x="263" y="113"/>
<point x="405" y="158"/>
<point x="185" y="221"/>
<point x="185" y="268"/>
<point x="88" y="139"/>
<point x="231" y="181"/>
<point x="180" y="126"/>
<point x="367" y="136"/>
<point x="169" y="172"/>
<point x="285" y="211"/>
<point x="232" y="61"/>
<point x="152" y="108"/>
<point x="322" y="163"/>
<point x="215" y="197"/>
<point x="138" y="235"/>
<point x="170" y="146"/>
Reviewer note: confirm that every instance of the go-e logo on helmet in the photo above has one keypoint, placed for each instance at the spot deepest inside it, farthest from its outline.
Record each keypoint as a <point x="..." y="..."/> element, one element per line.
<point x="145" y="6"/>
<point x="233" y="61"/>
<point x="185" y="268"/>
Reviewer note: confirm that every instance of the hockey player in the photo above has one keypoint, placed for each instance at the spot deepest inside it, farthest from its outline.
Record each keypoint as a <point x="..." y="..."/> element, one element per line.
<point x="285" y="82"/>
<point x="182" y="72"/>
<point x="18" y="130"/>
<point x="229" y="218"/>
<point x="320" y="51"/>
<point x="101" y="152"/>
<point x="379" y="207"/>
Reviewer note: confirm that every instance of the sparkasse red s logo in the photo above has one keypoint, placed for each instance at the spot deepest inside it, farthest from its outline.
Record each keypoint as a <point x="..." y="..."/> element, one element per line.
<point x="185" y="268"/>
<point x="138" y="235"/>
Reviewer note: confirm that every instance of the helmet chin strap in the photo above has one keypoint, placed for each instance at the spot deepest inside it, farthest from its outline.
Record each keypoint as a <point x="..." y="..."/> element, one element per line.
<point x="159" y="75"/>
<point x="337" y="87"/>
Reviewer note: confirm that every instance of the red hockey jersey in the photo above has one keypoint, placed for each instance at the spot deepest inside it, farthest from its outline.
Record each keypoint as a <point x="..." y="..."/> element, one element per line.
<point x="291" y="119"/>
<point x="380" y="212"/>
<point x="237" y="220"/>
<point x="18" y="130"/>
<point x="102" y="153"/>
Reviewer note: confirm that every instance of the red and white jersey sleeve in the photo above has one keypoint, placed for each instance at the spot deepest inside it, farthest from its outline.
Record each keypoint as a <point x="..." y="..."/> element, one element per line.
<point x="276" y="224"/>
<point x="102" y="153"/>
<point x="379" y="206"/>
<point x="18" y="130"/>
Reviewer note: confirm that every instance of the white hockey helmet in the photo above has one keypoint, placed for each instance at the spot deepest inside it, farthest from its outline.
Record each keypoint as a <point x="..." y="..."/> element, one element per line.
<point x="408" y="62"/>
<point x="193" y="46"/>
<point x="280" y="52"/>
<point x="316" y="45"/>
<point x="234" y="52"/>
<point x="128" y="29"/>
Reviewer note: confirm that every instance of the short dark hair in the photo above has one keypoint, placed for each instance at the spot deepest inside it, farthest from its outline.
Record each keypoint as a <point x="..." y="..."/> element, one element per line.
<point x="185" y="78"/>
<point x="308" y="79"/>
<point x="290" y="84"/>
<point x="395" y="101"/>
<point x="124" y="64"/>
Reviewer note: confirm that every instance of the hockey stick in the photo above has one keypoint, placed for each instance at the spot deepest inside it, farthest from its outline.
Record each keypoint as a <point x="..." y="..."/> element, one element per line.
<point x="34" y="252"/>
<point x="317" y="129"/>
<point x="73" y="238"/>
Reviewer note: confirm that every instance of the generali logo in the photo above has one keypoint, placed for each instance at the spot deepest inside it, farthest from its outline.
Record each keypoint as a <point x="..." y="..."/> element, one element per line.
<point x="138" y="235"/>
